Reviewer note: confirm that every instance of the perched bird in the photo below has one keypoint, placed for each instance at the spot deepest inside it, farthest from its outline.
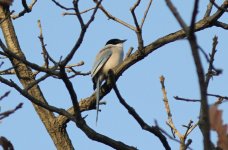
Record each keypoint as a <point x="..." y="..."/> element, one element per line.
<point x="108" y="58"/>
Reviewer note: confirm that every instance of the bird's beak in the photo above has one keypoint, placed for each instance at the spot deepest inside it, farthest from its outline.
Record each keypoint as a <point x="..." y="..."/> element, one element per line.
<point x="123" y="40"/>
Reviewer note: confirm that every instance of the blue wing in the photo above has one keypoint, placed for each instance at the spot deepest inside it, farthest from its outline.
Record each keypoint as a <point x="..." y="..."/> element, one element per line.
<point x="100" y="61"/>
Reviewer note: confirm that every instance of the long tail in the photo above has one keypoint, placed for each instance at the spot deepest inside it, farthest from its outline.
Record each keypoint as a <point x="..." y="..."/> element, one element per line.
<point x="97" y="98"/>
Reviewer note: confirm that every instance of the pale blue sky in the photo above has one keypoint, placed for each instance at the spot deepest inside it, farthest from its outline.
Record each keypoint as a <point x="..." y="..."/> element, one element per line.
<point x="139" y="85"/>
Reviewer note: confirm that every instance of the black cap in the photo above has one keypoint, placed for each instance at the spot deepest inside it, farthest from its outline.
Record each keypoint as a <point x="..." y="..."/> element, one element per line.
<point x="115" y="41"/>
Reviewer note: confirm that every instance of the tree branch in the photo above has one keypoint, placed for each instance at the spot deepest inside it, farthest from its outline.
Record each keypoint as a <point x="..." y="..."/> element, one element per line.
<point x="27" y="9"/>
<point x="136" y="116"/>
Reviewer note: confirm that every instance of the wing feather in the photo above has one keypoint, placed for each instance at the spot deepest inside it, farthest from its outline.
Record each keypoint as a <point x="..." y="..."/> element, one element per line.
<point x="100" y="61"/>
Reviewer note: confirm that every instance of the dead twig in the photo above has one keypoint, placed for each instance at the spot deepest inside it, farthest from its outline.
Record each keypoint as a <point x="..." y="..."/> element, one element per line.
<point x="82" y="12"/>
<point x="27" y="9"/>
<point x="185" y="99"/>
<point x="4" y="95"/>
<point x="145" y="13"/>
<point x="9" y="112"/>
<point x="61" y="6"/>
<point x="129" y="52"/>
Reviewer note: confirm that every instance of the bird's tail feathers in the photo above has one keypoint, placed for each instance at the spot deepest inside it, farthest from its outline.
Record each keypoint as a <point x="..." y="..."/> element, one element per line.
<point x="97" y="98"/>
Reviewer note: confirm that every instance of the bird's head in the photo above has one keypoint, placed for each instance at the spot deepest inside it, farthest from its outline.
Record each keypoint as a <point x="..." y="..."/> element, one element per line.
<point x="115" y="42"/>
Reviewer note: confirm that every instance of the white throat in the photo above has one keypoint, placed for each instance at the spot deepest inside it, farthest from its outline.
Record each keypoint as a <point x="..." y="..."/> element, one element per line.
<point x="120" y="45"/>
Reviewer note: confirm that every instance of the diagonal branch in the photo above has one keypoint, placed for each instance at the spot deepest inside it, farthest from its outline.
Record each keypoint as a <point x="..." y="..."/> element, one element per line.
<point x="27" y="9"/>
<point x="145" y="13"/>
<point x="110" y="16"/>
<point x="135" y="115"/>
<point x="10" y="112"/>
<point x="61" y="6"/>
<point x="221" y="25"/>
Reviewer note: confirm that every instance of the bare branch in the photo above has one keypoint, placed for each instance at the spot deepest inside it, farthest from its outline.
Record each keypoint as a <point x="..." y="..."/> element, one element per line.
<point x="218" y="96"/>
<point x="209" y="73"/>
<point x="138" y="30"/>
<point x="129" y="52"/>
<point x="8" y="71"/>
<point x="218" y="7"/>
<point x="9" y="112"/>
<point x="221" y="25"/>
<point x="27" y="9"/>
<point x="186" y="99"/>
<point x="6" y="144"/>
<point x="209" y="8"/>
<point x="75" y="2"/>
<point x="145" y="13"/>
<point x="36" y="101"/>
<point x="75" y="65"/>
<point x="22" y="59"/>
<point x="82" y="12"/>
<point x="61" y="6"/>
<point x="110" y="16"/>
<point x="193" y="20"/>
<point x="167" y="108"/>
<point x="4" y="95"/>
<point x="133" y="14"/>
<point x="177" y="16"/>
<point x="44" y="51"/>
<point x="136" y="116"/>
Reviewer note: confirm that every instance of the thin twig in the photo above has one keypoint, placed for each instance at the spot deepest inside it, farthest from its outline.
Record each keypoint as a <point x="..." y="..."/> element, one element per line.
<point x="61" y="6"/>
<point x="209" y="73"/>
<point x="75" y="65"/>
<point x="133" y="14"/>
<point x="8" y="71"/>
<point x="193" y="20"/>
<point x="110" y="16"/>
<point x="218" y="96"/>
<point x="138" y="30"/>
<point x="129" y="52"/>
<point x="186" y="99"/>
<point x="44" y="51"/>
<point x="218" y="7"/>
<point x="145" y="13"/>
<point x="209" y="8"/>
<point x="9" y="112"/>
<point x="167" y="108"/>
<point x="36" y="82"/>
<point x="4" y="95"/>
<point x="82" y="12"/>
<point x="23" y="60"/>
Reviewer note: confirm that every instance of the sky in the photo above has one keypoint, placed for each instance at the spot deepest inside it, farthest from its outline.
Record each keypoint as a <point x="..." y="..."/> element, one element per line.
<point x="139" y="85"/>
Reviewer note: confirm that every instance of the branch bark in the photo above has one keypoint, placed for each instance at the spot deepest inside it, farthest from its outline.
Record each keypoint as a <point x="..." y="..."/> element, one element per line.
<point x="25" y="75"/>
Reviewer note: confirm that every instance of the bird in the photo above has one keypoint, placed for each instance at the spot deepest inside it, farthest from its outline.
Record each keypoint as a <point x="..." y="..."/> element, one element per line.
<point x="107" y="58"/>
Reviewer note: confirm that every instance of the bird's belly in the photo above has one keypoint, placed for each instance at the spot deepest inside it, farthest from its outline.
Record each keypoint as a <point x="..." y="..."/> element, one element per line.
<point x="112" y="62"/>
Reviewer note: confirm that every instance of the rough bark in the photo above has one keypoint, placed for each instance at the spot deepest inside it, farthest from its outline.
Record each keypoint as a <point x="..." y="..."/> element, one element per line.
<point x="25" y="76"/>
